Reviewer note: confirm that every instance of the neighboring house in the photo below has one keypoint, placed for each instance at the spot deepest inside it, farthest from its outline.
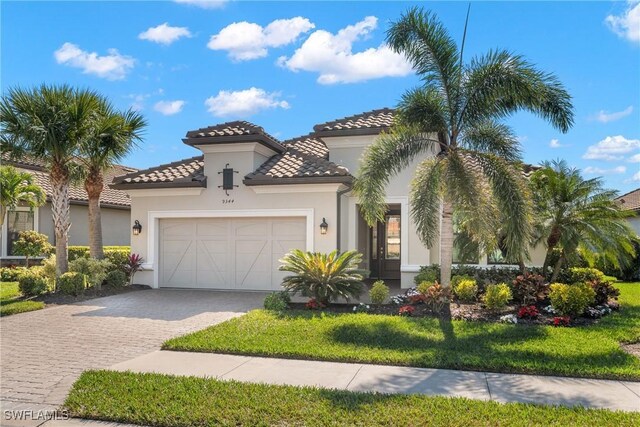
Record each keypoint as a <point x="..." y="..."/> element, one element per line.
<point x="115" y="204"/>
<point x="631" y="201"/>
<point x="223" y="219"/>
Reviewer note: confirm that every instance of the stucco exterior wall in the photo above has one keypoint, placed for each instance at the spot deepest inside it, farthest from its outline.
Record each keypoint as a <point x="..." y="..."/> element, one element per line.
<point x="634" y="222"/>
<point x="116" y="230"/>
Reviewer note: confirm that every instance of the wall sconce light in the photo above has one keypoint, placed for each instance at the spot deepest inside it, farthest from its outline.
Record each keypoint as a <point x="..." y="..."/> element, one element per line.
<point x="323" y="226"/>
<point x="137" y="228"/>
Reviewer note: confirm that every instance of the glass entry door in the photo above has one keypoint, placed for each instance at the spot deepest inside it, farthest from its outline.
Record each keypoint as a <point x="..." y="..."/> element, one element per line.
<point x="385" y="247"/>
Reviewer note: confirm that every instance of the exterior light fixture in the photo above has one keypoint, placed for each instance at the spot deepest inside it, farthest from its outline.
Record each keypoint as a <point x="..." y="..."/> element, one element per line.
<point x="323" y="226"/>
<point x="137" y="228"/>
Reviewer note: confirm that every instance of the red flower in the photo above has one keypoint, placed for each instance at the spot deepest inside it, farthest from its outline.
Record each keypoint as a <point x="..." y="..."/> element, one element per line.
<point x="417" y="299"/>
<point x="530" y="312"/>
<point x="313" y="304"/>
<point x="406" y="310"/>
<point x="561" y="321"/>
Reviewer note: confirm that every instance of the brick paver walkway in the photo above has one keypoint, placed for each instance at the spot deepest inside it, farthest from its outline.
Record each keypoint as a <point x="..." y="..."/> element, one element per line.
<point x="43" y="352"/>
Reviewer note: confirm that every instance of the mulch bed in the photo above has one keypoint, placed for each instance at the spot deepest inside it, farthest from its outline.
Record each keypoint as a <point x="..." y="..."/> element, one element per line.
<point x="106" y="291"/>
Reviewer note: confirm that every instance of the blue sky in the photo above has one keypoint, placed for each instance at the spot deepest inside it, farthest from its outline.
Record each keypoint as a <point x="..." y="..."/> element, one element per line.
<point x="289" y="65"/>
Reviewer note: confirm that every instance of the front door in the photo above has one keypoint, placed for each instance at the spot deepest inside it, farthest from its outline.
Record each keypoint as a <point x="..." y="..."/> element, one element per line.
<point x="385" y="247"/>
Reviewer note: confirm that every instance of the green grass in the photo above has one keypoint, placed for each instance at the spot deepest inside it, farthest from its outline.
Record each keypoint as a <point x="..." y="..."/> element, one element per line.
<point x="163" y="400"/>
<point x="593" y="351"/>
<point x="11" y="302"/>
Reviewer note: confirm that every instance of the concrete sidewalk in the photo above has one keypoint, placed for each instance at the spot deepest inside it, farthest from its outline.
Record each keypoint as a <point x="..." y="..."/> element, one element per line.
<point x="605" y="394"/>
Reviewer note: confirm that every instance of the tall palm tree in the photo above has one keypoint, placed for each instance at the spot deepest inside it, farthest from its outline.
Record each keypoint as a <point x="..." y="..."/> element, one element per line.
<point x="18" y="188"/>
<point x="578" y="216"/>
<point x="48" y="122"/>
<point x="454" y="120"/>
<point x="113" y="137"/>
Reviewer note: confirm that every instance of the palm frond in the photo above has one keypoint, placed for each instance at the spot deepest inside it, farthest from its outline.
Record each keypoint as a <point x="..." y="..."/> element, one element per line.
<point x="427" y="190"/>
<point x="489" y="136"/>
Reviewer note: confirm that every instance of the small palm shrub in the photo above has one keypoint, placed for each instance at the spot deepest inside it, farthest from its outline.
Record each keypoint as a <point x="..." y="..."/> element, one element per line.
<point x="379" y="292"/>
<point x="324" y="277"/>
<point x="571" y="300"/>
<point x="497" y="296"/>
<point x="96" y="270"/>
<point x="115" y="279"/>
<point x="465" y="289"/>
<point x="277" y="301"/>
<point x="32" y="283"/>
<point x="72" y="283"/>
<point x="529" y="288"/>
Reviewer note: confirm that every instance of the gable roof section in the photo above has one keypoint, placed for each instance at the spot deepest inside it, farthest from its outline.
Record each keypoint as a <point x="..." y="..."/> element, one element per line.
<point x="231" y="132"/>
<point x="110" y="197"/>
<point x="368" y="123"/>
<point x="631" y="200"/>
<point x="309" y="145"/>
<point x="297" y="167"/>
<point x="184" y="173"/>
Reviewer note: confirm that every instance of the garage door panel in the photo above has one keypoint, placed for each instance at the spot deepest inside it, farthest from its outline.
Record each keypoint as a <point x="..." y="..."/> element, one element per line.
<point x="227" y="253"/>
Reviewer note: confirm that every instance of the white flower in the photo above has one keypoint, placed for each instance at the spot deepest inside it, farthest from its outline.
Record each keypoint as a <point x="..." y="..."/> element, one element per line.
<point x="509" y="318"/>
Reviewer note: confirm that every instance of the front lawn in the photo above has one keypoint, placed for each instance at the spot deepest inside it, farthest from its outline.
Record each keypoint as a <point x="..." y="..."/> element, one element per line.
<point x="11" y="301"/>
<point x="590" y="351"/>
<point x="164" y="400"/>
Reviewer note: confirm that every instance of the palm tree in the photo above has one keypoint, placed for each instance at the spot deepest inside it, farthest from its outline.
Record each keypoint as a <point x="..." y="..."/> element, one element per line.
<point x="454" y="120"/>
<point x="112" y="138"/>
<point x="17" y="188"/>
<point x="578" y="217"/>
<point x="48" y="123"/>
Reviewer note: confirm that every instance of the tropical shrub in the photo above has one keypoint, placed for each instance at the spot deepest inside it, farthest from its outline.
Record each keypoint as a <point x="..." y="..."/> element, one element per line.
<point x="482" y="275"/>
<point x="76" y="252"/>
<point x="72" y="283"/>
<point x="406" y="310"/>
<point x="314" y="304"/>
<point x="96" y="270"/>
<point x="32" y="283"/>
<point x="430" y="273"/>
<point x="571" y="300"/>
<point x="11" y="274"/>
<point x="581" y="275"/>
<point x="50" y="270"/>
<point x="31" y="244"/>
<point x="118" y="257"/>
<point x="497" y="296"/>
<point x="361" y="308"/>
<point x="464" y="289"/>
<point x="529" y="288"/>
<point x="133" y="265"/>
<point x="115" y="279"/>
<point x="423" y="287"/>
<point x="277" y="301"/>
<point x="379" y="292"/>
<point x="605" y="291"/>
<point x="436" y="297"/>
<point x="530" y="312"/>
<point x="324" y="277"/>
<point x="561" y="321"/>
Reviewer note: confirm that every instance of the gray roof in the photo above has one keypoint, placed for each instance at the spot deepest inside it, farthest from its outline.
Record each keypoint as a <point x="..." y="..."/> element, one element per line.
<point x="230" y="132"/>
<point x="182" y="173"/>
<point x="308" y="145"/>
<point x="367" y="123"/>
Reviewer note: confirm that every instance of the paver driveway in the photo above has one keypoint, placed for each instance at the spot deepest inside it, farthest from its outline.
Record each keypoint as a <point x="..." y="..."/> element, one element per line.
<point x="43" y="352"/>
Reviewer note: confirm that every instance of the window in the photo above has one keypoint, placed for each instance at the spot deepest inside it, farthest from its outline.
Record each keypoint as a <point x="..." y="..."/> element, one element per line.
<point x="392" y="249"/>
<point x="464" y="254"/>
<point x="499" y="256"/>
<point x="18" y="221"/>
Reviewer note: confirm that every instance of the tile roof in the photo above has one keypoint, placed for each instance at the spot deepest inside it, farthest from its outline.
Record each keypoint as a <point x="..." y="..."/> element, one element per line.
<point x="295" y="165"/>
<point x="239" y="131"/>
<point x="368" y="123"/>
<point x="631" y="200"/>
<point x="308" y="145"/>
<point x="77" y="194"/>
<point x="182" y="173"/>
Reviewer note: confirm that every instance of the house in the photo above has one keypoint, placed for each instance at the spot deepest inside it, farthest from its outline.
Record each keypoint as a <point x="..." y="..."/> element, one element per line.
<point x="631" y="201"/>
<point x="115" y="210"/>
<point x="223" y="219"/>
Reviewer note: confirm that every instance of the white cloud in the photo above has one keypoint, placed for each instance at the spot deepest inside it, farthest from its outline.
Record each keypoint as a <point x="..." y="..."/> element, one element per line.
<point x="332" y="57"/>
<point x="112" y="66"/>
<point x="636" y="176"/>
<point x="245" y="40"/>
<point x="634" y="159"/>
<point x="612" y="148"/>
<point x="164" y="34"/>
<point x="606" y="117"/>
<point x="243" y="103"/>
<point x="169" y="108"/>
<point x="204" y="4"/>
<point x="626" y="25"/>
<point x="591" y="170"/>
<point x="555" y="143"/>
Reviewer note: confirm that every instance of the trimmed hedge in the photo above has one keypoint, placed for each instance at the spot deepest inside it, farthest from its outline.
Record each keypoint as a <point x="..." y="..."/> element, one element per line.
<point x="482" y="275"/>
<point x="110" y="252"/>
<point x="72" y="283"/>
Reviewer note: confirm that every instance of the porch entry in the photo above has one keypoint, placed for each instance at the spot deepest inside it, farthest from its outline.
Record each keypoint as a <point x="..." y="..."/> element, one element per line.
<point x="384" y="246"/>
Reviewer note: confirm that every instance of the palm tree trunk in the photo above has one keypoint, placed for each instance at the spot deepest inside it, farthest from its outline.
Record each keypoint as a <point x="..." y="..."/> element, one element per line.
<point x="556" y="269"/>
<point x="552" y="241"/>
<point x="61" y="214"/>
<point x="93" y="185"/>
<point x="446" y="244"/>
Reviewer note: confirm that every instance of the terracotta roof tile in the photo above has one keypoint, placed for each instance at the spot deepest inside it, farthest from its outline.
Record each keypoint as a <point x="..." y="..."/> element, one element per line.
<point x="182" y="173"/>
<point x="370" y="122"/>
<point x="631" y="200"/>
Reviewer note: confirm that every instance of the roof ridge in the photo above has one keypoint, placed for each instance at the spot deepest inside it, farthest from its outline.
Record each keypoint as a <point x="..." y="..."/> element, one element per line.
<point x="627" y="193"/>
<point x="319" y="126"/>
<point x="313" y="158"/>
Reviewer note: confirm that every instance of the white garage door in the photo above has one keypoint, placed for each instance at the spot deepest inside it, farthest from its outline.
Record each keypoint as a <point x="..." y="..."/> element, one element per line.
<point x="227" y="253"/>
